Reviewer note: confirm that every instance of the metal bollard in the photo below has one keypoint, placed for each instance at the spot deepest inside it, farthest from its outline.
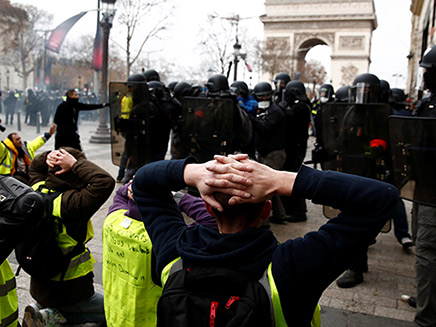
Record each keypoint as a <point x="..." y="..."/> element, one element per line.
<point x="18" y="121"/>
<point x="38" y="123"/>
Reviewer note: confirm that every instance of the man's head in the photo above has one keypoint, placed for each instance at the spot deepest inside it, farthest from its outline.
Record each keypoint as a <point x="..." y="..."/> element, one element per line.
<point x="235" y="218"/>
<point x="72" y="94"/>
<point x="16" y="140"/>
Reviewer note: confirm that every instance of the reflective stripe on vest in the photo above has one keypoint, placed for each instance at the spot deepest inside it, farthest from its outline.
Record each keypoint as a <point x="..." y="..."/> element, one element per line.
<point x="127" y="270"/>
<point x="81" y="264"/>
<point x="8" y="296"/>
<point x="5" y="165"/>
<point x="270" y="288"/>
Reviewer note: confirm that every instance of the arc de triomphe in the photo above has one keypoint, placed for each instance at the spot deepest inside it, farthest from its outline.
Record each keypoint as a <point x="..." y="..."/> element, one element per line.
<point x="344" y="25"/>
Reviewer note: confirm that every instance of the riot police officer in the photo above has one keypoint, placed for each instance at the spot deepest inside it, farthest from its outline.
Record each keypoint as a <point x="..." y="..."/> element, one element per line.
<point x="269" y="128"/>
<point x="296" y="107"/>
<point x="280" y="82"/>
<point x="424" y="216"/>
<point x="218" y="87"/>
<point x="240" y="90"/>
<point x="161" y="122"/>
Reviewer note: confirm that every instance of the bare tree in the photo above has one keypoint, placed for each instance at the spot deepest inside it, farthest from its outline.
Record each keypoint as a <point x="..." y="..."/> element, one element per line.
<point x="21" y="41"/>
<point x="276" y="56"/>
<point x="216" y="44"/>
<point x="143" y="20"/>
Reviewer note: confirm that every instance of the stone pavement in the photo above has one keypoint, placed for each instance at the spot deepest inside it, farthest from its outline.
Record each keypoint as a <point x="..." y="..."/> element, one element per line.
<point x="375" y="302"/>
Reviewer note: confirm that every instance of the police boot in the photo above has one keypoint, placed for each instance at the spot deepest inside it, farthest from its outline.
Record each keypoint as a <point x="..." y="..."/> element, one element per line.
<point x="350" y="279"/>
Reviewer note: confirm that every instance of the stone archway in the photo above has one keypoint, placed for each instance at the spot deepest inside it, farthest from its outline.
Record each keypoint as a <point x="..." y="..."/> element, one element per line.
<point x="344" y="25"/>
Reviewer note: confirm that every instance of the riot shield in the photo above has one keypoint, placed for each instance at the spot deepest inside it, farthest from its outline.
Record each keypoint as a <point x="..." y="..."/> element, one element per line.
<point x="129" y="115"/>
<point x="413" y="147"/>
<point x="355" y="139"/>
<point x="207" y="127"/>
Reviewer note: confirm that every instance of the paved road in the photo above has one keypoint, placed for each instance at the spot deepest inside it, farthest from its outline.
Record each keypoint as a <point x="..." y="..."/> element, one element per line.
<point x="376" y="302"/>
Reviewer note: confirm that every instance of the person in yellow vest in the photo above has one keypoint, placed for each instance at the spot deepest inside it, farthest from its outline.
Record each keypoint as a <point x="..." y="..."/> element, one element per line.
<point x="8" y="296"/>
<point x="236" y="191"/>
<point x="84" y="187"/>
<point x="16" y="155"/>
<point x="131" y="285"/>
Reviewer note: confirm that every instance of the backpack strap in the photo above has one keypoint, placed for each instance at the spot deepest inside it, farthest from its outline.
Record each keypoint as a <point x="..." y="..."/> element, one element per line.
<point x="266" y="285"/>
<point x="168" y="270"/>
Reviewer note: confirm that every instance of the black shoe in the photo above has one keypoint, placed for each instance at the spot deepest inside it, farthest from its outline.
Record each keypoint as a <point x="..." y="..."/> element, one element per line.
<point x="296" y="218"/>
<point x="406" y="242"/>
<point x="350" y="279"/>
<point x="276" y="220"/>
<point x="412" y="302"/>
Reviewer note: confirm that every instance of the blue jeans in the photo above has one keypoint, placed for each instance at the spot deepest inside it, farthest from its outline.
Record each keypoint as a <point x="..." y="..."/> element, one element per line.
<point x="88" y="310"/>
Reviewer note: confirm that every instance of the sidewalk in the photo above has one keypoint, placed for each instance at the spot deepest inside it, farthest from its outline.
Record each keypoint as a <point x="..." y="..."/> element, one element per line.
<point x="375" y="302"/>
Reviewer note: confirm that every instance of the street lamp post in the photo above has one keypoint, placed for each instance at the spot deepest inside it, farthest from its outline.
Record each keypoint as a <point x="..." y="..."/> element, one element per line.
<point x="7" y="78"/>
<point x="102" y="134"/>
<point x="80" y="81"/>
<point x="236" y="53"/>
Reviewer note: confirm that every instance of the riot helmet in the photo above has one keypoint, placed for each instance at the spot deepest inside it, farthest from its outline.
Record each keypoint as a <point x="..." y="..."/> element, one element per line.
<point x="398" y="95"/>
<point x="217" y="83"/>
<point x="172" y="85"/>
<point x="326" y="93"/>
<point x="366" y="88"/>
<point x="296" y="88"/>
<point x="151" y="75"/>
<point x="157" y="89"/>
<point x="281" y="80"/>
<point x="263" y="94"/>
<point x="343" y="94"/>
<point x="428" y="62"/>
<point x="385" y="91"/>
<point x="137" y="85"/>
<point x="239" y="88"/>
<point x="181" y="90"/>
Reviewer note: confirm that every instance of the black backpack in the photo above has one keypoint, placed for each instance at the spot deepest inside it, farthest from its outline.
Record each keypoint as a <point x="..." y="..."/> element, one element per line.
<point x="21" y="210"/>
<point x="39" y="254"/>
<point x="213" y="296"/>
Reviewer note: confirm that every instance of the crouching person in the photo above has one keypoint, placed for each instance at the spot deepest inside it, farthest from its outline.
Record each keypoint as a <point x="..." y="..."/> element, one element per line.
<point x="83" y="187"/>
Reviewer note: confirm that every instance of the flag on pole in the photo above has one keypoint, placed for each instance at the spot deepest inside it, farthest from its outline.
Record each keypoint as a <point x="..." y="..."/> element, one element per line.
<point x="97" y="57"/>
<point x="57" y="36"/>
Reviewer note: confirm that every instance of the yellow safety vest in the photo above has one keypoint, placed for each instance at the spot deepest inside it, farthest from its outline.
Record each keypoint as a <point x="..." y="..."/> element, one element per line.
<point x="130" y="296"/>
<point x="8" y="296"/>
<point x="81" y="264"/>
<point x="126" y="106"/>
<point x="277" y="307"/>
<point x="8" y="153"/>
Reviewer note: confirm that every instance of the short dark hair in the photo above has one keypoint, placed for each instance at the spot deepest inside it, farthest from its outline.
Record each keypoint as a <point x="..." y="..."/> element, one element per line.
<point x="10" y="136"/>
<point x="248" y="211"/>
<point x="70" y="92"/>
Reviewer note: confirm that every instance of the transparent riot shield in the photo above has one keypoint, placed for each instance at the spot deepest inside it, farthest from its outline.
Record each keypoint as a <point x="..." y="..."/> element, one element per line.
<point x="129" y="114"/>
<point x="413" y="147"/>
<point x="355" y="138"/>
<point x="207" y="127"/>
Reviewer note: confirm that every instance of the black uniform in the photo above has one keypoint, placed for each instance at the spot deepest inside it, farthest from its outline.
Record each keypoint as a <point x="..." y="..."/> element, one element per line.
<point x="66" y="118"/>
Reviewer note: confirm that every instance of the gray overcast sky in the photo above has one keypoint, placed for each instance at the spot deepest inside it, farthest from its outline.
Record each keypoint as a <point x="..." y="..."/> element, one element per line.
<point x="390" y="43"/>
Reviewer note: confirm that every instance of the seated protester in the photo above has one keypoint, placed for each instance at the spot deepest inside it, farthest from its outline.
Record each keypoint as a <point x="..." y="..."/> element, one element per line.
<point x="16" y="155"/>
<point x="299" y="269"/>
<point x="131" y="293"/>
<point x="84" y="188"/>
